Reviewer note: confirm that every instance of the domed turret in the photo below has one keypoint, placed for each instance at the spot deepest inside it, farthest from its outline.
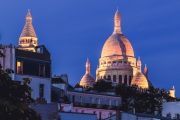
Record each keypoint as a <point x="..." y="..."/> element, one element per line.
<point x="172" y="92"/>
<point x="87" y="80"/>
<point x="140" y="79"/>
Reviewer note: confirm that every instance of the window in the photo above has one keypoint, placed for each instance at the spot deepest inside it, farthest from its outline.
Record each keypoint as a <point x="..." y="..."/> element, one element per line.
<point x="41" y="90"/>
<point x="19" y="67"/>
<point x="130" y="80"/>
<point x="125" y="79"/>
<point x="105" y="77"/>
<point x="100" y="115"/>
<point x="42" y="70"/>
<point x="120" y="79"/>
<point x="109" y="77"/>
<point x="114" y="78"/>
<point x="120" y="62"/>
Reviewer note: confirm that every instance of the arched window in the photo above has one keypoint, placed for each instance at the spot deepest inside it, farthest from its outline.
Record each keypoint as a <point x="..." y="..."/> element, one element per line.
<point x="125" y="79"/>
<point x="120" y="79"/>
<point x="109" y="77"/>
<point x="114" y="78"/>
<point x="105" y="77"/>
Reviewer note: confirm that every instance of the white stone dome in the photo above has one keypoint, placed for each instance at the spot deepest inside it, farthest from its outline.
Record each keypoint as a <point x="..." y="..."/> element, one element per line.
<point x="117" y="44"/>
<point x="140" y="80"/>
<point x="87" y="80"/>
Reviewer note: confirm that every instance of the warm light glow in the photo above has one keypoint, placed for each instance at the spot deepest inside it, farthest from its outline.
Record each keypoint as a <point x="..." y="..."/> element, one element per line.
<point x="172" y="92"/>
<point x="19" y="67"/>
<point x="28" y="39"/>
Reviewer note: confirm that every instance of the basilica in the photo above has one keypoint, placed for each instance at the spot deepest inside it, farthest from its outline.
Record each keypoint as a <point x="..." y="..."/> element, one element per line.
<point x="118" y="63"/>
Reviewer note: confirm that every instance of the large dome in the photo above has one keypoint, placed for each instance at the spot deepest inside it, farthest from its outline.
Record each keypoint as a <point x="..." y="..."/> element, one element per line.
<point x="117" y="44"/>
<point x="140" y="80"/>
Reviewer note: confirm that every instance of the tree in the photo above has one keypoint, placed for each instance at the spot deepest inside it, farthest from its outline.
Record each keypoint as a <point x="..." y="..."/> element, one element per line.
<point x="102" y="86"/>
<point x="15" y="99"/>
<point x="144" y="101"/>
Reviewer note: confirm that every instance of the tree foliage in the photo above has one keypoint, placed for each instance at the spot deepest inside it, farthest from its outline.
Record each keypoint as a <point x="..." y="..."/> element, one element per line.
<point x="14" y="99"/>
<point x="102" y="86"/>
<point x="144" y="101"/>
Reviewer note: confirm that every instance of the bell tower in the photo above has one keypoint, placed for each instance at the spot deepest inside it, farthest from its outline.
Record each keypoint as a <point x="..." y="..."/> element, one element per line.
<point x="28" y="39"/>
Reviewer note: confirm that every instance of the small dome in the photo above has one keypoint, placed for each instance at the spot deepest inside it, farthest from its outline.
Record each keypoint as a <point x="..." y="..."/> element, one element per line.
<point x="140" y="80"/>
<point x="87" y="80"/>
<point x="117" y="44"/>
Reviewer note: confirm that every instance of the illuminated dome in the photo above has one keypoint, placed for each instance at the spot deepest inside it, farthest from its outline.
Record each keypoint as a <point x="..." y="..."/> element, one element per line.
<point x="87" y="80"/>
<point x="112" y="46"/>
<point x="140" y="80"/>
<point x="117" y="43"/>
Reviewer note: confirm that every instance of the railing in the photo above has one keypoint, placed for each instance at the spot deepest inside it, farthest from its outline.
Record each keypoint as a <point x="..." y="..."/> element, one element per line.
<point x="98" y="106"/>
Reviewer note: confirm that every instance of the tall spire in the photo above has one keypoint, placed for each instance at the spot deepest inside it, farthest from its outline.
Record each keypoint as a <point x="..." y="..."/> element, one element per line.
<point x="87" y="66"/>
<point x="28" y="39"/>
<point x="139" y="64"/>
<point x="28" y="30"/>
<point x="117" y="22"/>
<point x="28" y="16"/>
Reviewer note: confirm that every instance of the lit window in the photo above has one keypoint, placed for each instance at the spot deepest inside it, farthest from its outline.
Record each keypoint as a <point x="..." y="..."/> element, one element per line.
<point x="19" y="67"/>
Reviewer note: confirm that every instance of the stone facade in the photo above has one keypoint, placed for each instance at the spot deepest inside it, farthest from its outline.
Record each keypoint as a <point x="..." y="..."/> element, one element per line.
<point x="94" y="99"/>
<point x="29" y="60"/>
<point x="10" y="61"/>
<point x="100" y="113"/>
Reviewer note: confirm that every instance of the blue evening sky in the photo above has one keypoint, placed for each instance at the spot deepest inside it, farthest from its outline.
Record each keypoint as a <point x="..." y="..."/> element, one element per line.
<point x="73" y="30"/>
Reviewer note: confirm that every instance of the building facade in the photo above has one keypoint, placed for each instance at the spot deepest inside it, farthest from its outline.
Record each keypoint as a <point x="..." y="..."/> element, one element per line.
<point x="29" y="60"/>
